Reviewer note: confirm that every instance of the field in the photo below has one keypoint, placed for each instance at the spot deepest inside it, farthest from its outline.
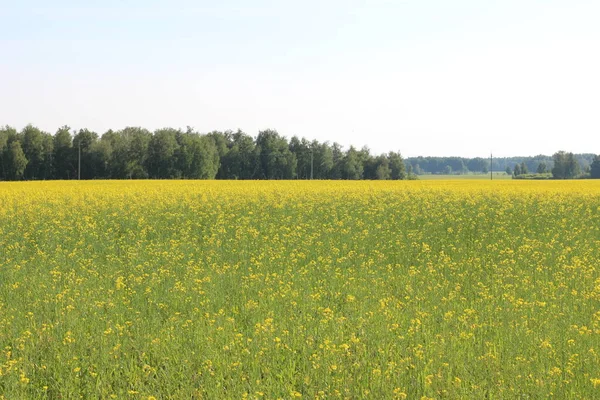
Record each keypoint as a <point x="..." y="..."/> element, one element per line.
<point x="497" y="176"/>
<point x="206" y="289"/>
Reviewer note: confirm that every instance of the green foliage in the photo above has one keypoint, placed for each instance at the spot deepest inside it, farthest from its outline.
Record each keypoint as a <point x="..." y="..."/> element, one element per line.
<point x="436" y="165"/>
<point x="160" y="162"/>
<point x="302" y="149"/>
<point x="542" y="168"/>
<point x="352" y="168"/>
<point x="16" y="161"/>
<point x="205" y="158"/>
<point x="524" y="169"/>
<point x="83" y="142"/>
<point x="543" y="176"/>
<point x="397" y="166"/>
<point x="136" y="153"/>
<point x="517" y="170"/>
<point x="383" y="171"/>
<point x="241" y="160"/>
<point x="37" y="147"/>
<point x="276" y="159"/>
<point x="63" y="157"/>
<point x="565" y="166"/>
<point x="595" y="168"/>
<point x="7" y="135"/>
<point x="323" y="162"/>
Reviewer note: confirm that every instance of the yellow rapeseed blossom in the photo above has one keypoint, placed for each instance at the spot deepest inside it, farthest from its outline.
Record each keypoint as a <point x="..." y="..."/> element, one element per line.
<point x="206" y="289"/>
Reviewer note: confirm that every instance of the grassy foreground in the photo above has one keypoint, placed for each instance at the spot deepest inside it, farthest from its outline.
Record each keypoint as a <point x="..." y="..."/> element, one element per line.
<point x="442" y="289"/>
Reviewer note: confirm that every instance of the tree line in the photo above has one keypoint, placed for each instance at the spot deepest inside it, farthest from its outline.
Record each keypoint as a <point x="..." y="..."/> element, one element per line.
<point x="512" y="165"/>
<point x="137" y="153"/>
<point x="563" y="166"/>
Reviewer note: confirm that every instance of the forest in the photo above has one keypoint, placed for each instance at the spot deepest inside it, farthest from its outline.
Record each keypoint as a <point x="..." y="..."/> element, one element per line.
<point x="137" y="153"/>
<point x="169" y="153"/>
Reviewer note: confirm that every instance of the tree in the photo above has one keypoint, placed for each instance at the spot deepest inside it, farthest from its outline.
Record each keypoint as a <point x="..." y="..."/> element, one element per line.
<point x="7" y="136"/>
<point x="351" y="165"/>
<point x="17" y="161"/>
<point x="204" y="157"/>
<point x="517" y="170"/>
<point x="241" y="161"/>
<point x="508" y="171"/>
<point x="365" y="159"/>
<point x="134" y="152"/>
<point x="196" y="156"/>
<point x="160" y="162"/>
<point x="370" y="164"/>
<point x="222" y="140"/>
<point x="62" y="155"/>
<point x="397" y="166"/>
<point x="542" y="168"/>
<point x="33" y="147"/>
<point x="322" y="160"/>
<point x="595" y="168"/>
<point x="129" y="153"/>
<point x="524" y="169"/>
<point x="86" y="139"/>
<point x="383" y="171"/>
<point x="565" y="166"/>
<point x="101" y="152"/>
<point x="276" y="159"/>
<point x="47" y="159"/>
<point x="139" y="140"/>
<point x="337" y="156"/>
<point x="478" y="164"/>
<point x="302" y="150"/>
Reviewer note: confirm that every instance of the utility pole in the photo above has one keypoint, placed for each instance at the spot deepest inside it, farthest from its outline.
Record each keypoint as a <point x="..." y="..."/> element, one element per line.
<point x="491" y="167"/>
<point x="311" y="164"/>
<point x="79" y="160"/>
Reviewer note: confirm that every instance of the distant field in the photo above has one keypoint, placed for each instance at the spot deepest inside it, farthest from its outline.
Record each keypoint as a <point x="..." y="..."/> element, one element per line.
<point x="499" y="175"/>
<point x="232" y="290"/>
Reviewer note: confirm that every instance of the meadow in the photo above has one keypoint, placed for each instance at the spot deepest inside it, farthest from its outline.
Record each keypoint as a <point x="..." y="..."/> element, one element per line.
<point x="251" y="290"/>
<point x="496" y="176"/>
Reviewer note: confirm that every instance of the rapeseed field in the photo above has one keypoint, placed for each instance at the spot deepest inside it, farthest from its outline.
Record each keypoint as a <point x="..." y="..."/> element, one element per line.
<point x="252" y="290"/>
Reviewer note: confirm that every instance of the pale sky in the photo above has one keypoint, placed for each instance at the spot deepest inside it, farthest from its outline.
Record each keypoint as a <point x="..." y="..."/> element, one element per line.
<point x="424" y="77"/>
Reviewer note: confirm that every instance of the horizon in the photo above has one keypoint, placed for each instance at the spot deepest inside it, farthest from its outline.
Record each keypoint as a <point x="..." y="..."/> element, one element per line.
<point x="422" y="78"/>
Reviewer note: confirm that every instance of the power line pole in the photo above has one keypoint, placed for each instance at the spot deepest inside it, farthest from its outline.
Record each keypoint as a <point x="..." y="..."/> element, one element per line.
<point x="79" y="160"/>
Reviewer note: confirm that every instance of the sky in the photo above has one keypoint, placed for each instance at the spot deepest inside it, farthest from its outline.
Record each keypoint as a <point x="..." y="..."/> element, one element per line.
<point x="423" y="77"/>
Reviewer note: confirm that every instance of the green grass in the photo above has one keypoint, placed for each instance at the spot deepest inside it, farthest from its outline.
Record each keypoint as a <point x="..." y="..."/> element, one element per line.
<point x="497" y="176"/>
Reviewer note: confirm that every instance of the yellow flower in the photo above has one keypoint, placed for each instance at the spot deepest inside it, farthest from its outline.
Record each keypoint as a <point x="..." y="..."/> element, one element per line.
<point x="399" y="394"/>
<point x="120" y="283"/>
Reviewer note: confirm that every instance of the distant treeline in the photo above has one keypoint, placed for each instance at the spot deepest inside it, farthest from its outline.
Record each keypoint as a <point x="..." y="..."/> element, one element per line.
<point x="461" y="165"/>
<point x="136" y="153"/>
